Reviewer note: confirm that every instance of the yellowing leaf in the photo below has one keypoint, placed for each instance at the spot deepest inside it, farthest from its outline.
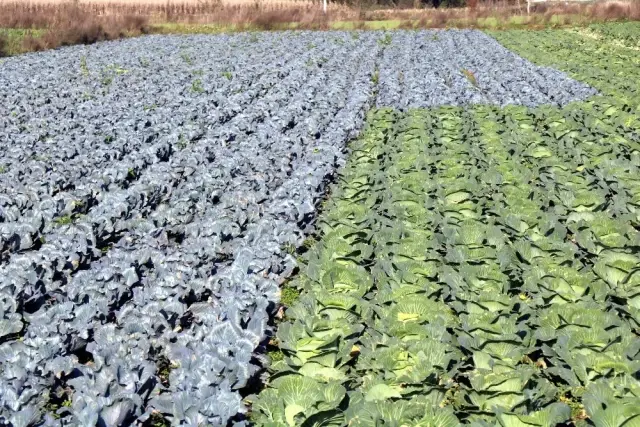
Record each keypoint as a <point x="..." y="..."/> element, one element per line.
<point x="381" y="392"/>
<point x="291" y="411"/>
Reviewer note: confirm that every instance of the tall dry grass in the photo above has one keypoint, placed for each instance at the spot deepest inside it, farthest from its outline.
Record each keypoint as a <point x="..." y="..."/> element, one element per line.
<point x="46" y="13"/>
<point x="43" y="13"/>
<point x="4" y="50"/>
<point x="267" y="15"/>
<point x="89" y="21"/>
<point x="67" y="24"/>
<point x="616" y="10"/>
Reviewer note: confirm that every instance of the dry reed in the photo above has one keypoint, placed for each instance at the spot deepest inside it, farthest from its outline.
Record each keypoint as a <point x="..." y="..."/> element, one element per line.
<point x="88" y="21"/>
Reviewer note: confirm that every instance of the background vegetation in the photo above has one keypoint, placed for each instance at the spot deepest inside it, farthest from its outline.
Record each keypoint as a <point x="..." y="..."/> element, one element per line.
<point x="27" y="26"/>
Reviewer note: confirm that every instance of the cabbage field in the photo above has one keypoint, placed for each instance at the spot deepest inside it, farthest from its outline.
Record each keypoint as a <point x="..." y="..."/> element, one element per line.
<point x="400" y="228"/>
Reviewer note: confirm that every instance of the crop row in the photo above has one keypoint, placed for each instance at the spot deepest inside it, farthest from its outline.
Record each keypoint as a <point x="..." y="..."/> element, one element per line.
<point x="152" y="191"/>
<point x="155" y="298"/>
<point x="625" y="33"/>
<point x="110" y="137"/>
<point x="476" y="266"/>
<point x="422" y="69"/>
<point x="611" y="69"/>
<point x="114" y="135"/>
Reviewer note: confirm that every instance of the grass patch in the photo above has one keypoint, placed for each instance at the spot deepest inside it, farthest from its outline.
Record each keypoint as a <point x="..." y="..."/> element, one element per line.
<point x="156" y="419"/>
<point x="63" y="220"/>
<point x="25" y="29"/>
<point x="386" y="40"/>
<point x="182" y="28"/>
<point x="13" y="39"/>
<point x="276" y="355"/>
<point x="470" y="77"/>
<point x="390" y="24"/>
<point x="53" y="406"/>
<point x="197" y="87"/>
<point x="72" y="25"/>
<point x="375" y="77"/>
<point x="289" y="296"/>
<point x="66" y="219"/>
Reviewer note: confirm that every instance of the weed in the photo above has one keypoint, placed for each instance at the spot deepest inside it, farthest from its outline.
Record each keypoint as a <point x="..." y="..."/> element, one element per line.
<point x="375" y="77"/>
<point x="470" y="76"/>
<point x="164" y="370"/>
<point x="197" y="87"/>
<point x="4" y="45"/>
<point x="447" y="80"/>
<point x="572" y="398"/>
<point x="156" y="419"/>
<point x="186" y="58"/>
<point x="78" y="203"/>
<point x="119" y="71"/>
<point x="289" y="248"/>
<point x="275" y="355"/>
<point x="3" y="169"/>
<point x="309" y="242"/>
<point x="63" y="220"/>
<point x="386" y="40"/>
<point x="289" y="296"/>
<point x="84" y="69"/>
<point x="227" y="75"/>
<point x="52" y="407"/>
<point x="182" y="142"/>
<point x="106" y="80"/>
<point x="144" y="62"/>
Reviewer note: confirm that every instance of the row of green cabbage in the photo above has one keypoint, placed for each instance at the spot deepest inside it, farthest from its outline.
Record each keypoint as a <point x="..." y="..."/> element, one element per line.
<point x="477" y="266"/>
<point x="625" y="33"/>
<point x="612" y="69"/>
<point x="474" y="267"/>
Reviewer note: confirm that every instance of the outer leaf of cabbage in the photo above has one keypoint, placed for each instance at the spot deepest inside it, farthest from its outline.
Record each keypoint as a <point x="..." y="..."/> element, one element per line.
<point x="549" y="417"/>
